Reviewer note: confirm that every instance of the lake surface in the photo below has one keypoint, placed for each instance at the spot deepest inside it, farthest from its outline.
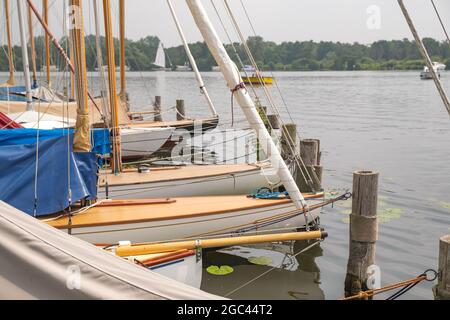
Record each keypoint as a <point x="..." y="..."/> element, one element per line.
<point x="390" y="122"/>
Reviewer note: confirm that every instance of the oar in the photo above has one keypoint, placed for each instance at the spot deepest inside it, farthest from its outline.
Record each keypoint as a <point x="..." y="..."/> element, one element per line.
<point x="141" y="249"/>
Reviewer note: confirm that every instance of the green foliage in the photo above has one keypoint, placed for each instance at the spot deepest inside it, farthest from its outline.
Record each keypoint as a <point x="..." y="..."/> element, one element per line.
<point x="291" y="56"/>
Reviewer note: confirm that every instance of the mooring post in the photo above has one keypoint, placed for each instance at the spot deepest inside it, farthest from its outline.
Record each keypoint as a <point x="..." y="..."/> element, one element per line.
<point x="273" y="121"/>
<point x="288" y="140"/>
<point x="309" y="176"/>
<point x="157" y="108"/>
<point x="442" y="289"/>
<point x="363" y="231"/>
<point x="181" y="115"/>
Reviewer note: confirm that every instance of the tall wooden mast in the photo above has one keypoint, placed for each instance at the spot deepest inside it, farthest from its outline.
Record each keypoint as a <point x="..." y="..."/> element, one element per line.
<point x="81" y="140"/>
<point x="47" y="43"/>
<point x="123" y="91"/>
<point x="116" y="162"/>
<point x="11" y="81"/>
<point x="33" y="46"/>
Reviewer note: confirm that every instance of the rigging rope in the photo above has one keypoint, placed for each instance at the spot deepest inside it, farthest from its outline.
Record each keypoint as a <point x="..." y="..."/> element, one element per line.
<point x="440" y="20"/>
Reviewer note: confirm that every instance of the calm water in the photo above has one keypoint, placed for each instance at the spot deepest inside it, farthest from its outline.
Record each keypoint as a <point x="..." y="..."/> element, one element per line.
<point x="390" y="122"/>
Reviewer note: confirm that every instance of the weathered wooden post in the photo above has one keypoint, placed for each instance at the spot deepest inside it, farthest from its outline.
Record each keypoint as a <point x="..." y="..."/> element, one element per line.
<point x="181" y="115"/>
<point x="288" y="140"/>
<point x="442" y="289"/>
<point x="363" y="231"/>
<point x="273" y="121"/>
<point x="309" y="176"/>
<point x="157" y="108"/>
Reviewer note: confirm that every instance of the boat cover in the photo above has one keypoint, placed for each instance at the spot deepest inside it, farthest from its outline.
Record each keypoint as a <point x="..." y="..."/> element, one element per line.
<point x="42" y="187"/>
<point x="41" y="262"/>
<point x="99" y="137"/>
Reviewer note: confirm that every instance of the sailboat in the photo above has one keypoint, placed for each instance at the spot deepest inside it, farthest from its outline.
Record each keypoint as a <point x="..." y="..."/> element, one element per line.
<point x="110" y="221"/>
<point x="160" y="58"/>
<point x="437" y="67"/>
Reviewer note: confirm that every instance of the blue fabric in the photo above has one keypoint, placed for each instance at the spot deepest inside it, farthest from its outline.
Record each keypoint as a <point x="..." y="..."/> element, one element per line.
<point x="55" y="166"/>
<point x="99" y="137"/>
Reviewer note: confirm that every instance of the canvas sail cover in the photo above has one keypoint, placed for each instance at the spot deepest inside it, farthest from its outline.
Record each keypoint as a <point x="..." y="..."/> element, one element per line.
<point x="45" y="177"/>
<point x="41" y="262"/>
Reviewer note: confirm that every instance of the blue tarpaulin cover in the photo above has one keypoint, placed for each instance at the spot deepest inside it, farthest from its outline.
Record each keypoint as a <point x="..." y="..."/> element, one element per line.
<point x="56" y="167"/>
<point x="99" y="137"/>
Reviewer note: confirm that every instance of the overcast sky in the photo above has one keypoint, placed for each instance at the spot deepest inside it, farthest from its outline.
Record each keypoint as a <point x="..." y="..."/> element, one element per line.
<point x="363" y="21"/>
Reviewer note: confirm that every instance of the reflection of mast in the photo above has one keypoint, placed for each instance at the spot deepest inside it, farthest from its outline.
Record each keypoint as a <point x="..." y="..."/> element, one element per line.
<point x="110" y="59"/>
<point x="11" y="81"/>
<point x="33" y="47"/>
<point x="81" y="139"/>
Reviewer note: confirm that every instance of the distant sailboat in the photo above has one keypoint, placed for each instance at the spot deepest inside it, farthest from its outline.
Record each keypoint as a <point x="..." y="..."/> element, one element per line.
<point x="160" y="58"/>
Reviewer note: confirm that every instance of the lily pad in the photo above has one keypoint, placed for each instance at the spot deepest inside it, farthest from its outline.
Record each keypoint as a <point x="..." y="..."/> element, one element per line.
<point x="445" y="205"/>
<point x="222" y="271"/>
<point x="262" y="261"/>
<point x="388" y="214"/>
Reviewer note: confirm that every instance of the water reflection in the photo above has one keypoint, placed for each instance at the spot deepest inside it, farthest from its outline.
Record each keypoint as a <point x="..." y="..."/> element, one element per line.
<point x="269" y="271"/>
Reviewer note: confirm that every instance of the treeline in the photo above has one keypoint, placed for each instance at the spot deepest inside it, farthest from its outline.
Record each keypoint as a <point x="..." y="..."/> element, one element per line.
<point x="288" y="56"/>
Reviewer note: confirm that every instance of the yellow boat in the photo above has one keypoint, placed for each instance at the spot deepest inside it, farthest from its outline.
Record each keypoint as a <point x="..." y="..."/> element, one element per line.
<point x="257" y="80"/>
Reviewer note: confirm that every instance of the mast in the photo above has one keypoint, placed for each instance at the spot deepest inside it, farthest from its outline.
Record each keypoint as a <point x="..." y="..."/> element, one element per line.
<point x="113" y="101"/>
<point x="234" y="80"/>
<point x="426" y="57"/>
<point x="103" y="87"/>
<point x="11" y="81"/>
<point x="192" y="60"/>
<point x="33" y="46"/>
<point x="26" y="71"/>
<point x="81" y="139"/>
<point x="47" y="43"/>
<point x="123" y="91"/>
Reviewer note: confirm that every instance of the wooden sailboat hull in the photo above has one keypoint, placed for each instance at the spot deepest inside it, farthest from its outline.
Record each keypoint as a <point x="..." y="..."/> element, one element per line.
<point x="141" y="142"/>
<point x="182" y="218"/>
<point x="187" y="181"/>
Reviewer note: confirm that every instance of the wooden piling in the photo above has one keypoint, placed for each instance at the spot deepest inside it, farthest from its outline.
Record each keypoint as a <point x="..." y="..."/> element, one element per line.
<point x="181" y="115"/>
<point x="157" y="108"/>
<point x="363" y="231"/>
<point x="273" y="121"/>
<point x="288" y="140"/>
<point x="442" y="289"/>
<point x="309" y="176"/>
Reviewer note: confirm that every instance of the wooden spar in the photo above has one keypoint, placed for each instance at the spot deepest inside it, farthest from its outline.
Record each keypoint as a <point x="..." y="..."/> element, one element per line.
<point x="11" y="81"/>
<point x="425" y="56"/>
<point x="47" y="43"/>
<point x="81" y="139"/>
<point x="141" y="249"/>
<point x="110" y="59"/>
<point x="192" y="60"/>
<point x="122" y="50"/>
<point x="60" y="49"/>
<point x="33" y="46"/>
<point x="26" y="71"/>
<point x="235" y="83"/>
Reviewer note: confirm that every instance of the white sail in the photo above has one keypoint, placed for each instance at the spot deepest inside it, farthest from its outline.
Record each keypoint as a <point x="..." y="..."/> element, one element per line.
<point x="235" y="83"/>
<point x="160" y="59"/>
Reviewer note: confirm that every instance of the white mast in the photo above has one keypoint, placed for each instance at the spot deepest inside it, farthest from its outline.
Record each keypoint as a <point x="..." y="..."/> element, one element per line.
<point x="234" y="80"/>
<point x="26" y="65"/>
<point x="192" y="60"/>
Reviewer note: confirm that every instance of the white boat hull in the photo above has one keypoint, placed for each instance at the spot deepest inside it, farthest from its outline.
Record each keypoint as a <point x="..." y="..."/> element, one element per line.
<point x="141" y="142"/>
<point x="187" y="270"/>
<point x="241" y="221"/>
<point x="225" y="184"/>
